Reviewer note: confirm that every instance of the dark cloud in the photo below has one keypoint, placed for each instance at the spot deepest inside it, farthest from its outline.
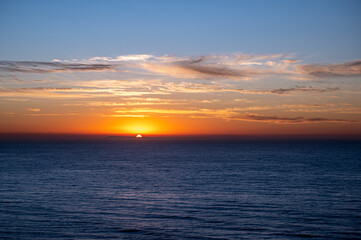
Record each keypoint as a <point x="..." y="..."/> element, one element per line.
<point x="290" y="90"/>
<point x="263" y="118"/>
<point x="195" y="65"/>
<point x="332" y="70"/>
<point x="302" y="89"/>
<point x="50" y="67"/>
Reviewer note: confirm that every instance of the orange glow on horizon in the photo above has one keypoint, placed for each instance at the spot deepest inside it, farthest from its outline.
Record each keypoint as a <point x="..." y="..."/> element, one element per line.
<point x="163" y="126"/>
<point x="136" y="126"/>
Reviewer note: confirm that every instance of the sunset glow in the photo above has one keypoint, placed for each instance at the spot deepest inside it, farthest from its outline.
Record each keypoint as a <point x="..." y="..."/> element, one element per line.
<point x="245" y="82"/>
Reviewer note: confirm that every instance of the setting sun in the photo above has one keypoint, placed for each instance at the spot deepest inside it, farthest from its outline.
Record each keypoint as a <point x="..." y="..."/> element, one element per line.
<point x="139" y="136"/>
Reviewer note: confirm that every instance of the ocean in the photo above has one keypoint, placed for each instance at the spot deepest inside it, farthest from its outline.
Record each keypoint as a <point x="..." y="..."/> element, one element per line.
<point x="180" y="189"/>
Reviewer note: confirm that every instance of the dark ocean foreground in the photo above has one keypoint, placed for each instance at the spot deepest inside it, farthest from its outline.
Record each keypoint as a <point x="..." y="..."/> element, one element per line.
<point x="152" y="189"/>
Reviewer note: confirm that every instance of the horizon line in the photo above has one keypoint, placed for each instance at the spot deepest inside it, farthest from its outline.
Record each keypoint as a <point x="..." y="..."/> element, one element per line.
<point x="80" y="136"/>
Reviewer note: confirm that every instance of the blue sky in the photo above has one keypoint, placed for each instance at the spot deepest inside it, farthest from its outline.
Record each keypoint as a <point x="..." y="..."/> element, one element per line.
<point x="321" y="31"/>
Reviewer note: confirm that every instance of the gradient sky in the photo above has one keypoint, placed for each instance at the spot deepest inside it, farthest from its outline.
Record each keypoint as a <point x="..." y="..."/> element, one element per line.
<point x="180" y="67"/>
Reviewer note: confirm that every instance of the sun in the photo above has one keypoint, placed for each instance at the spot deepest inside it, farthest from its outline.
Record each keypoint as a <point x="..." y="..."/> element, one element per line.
<point x="139" y="136"/>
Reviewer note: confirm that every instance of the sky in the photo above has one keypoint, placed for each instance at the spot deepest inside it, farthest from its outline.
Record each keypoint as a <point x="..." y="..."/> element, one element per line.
<point x="180" y="67"/>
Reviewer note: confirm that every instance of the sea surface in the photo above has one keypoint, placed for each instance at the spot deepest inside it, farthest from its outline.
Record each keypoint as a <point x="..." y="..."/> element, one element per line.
<point x="180" y="189"/>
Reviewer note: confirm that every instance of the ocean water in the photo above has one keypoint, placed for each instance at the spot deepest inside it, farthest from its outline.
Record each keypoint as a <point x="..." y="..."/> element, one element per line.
<point x="158" y="189"/>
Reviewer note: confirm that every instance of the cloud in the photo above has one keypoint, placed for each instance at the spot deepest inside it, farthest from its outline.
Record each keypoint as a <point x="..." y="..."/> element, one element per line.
<point x="332" y="70"/>
<point x="13" y="99"/>
<point x="243" y="66"/>
<point x="164" y="111"/>
<point x="195" y="66"/>
<point x="290" y="90"/>
<point x="188" y="112"/>
<point x="125" y="103"/>
<point x="233" y="66"/>
<point x="10" y="78"/>
<point x="192" y="87"/>
<point x="226" y="114"/>
<point x="51" y="114"/>
<point x="204" y="67"/>
<point x="52" y="67"/>
<point x="79" y="91"/>
<point x="287" y="120"/>
<point x="55" y="90"/>
<point x="188" y="87"/>
<point x="125" y="58"/>
<point x="40" y="89"/>
<point x="33" y="109"/>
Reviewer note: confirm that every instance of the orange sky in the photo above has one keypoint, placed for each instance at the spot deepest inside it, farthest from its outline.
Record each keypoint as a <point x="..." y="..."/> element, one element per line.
<point x="166" y="126"/>
<point x="235" y="94"/>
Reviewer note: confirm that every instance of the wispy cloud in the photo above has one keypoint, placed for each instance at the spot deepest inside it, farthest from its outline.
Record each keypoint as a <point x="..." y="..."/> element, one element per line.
<point x="51" y="114"/>
<point x="196" y="67"/>
<point x="287" y="120"/>
<point x="348" y="69"/>
<point x="211" y="86"/>
<point x="228" y="114"/>
<point x="33" y="109"/>
<point x="81" y="91"/>
<point x="235" y="67"/>
<point x="124" y="58"/>
<point x="52" y="67"/>
<point x="188" y="87"/>
<point x="295" y="89"/>
<point x="125" y="103"/>
<point x="187" y="112"/>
